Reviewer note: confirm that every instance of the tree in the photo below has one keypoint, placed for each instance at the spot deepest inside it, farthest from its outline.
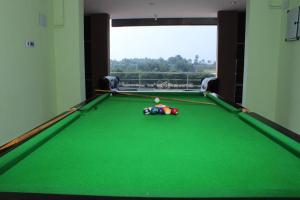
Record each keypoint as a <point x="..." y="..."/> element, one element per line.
<point x="172" y="64"/>
<point x="196" y="60"/>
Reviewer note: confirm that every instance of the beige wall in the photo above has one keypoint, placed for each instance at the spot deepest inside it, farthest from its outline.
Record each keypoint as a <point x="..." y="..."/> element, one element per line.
<point x="69" y="55"/>
<point x="288" y="96"/>
<point x="272" y="66"/>
<point x="262" y="50"/>
<point x="38" y="83"/>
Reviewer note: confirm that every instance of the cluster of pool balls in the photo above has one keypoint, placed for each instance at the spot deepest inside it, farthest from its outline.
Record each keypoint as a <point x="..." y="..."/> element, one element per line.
<point x="160" y="109"/>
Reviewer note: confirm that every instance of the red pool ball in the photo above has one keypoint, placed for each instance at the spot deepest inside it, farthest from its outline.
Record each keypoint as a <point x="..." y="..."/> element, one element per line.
<point x="174" y="111"/>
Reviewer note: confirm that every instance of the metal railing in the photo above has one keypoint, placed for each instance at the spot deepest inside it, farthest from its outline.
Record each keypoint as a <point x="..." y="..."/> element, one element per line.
<point x="161" y="80"/>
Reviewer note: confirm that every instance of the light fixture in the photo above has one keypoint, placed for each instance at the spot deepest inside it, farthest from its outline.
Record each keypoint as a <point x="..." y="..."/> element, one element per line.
<point x="233" y="3"/>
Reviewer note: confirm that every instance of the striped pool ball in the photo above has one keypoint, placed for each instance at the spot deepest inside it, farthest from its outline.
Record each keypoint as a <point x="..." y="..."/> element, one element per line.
<point x="146" y="111"/>
<point x="167" y="110"/>
<point x="154" y="111"/>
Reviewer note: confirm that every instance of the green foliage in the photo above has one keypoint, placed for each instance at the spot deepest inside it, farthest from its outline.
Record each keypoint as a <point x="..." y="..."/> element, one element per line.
<point x="174" y="73"/>
<point x="172" y="64"/>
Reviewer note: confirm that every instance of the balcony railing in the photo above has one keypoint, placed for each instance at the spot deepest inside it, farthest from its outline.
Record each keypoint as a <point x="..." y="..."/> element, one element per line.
<point x="161" y="80"/>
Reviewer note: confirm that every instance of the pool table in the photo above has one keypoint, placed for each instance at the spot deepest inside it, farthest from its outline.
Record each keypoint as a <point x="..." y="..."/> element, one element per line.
<point x="109" y="148"/>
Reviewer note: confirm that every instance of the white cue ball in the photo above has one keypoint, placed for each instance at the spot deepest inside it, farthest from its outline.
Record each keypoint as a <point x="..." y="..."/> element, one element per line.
<point x="156" y="100"/>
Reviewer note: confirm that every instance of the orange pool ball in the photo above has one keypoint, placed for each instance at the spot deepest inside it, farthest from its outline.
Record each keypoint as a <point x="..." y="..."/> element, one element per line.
<point x="167" y="110"/>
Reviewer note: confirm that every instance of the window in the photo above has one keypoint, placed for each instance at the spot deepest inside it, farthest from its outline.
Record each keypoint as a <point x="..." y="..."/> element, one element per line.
<point x="163" y="57"/>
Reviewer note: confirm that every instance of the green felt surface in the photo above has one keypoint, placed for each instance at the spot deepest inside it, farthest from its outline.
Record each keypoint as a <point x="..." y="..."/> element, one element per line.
<point x="10" y="159"/>
<point x="115" y="150"/>
<point x="281" y="139"/>
<point x="225" y="105"/>
<point x="95" y="102"/>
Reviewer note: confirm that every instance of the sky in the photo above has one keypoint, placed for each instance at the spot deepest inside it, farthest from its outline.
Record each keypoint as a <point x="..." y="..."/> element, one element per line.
<point x="164" y="42"/>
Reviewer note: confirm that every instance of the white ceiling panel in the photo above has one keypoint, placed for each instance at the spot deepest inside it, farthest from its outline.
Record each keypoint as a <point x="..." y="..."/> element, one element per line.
<point x="130" y="9"/>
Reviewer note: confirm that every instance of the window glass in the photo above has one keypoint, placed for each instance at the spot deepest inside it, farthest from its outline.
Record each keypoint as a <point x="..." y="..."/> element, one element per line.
<point x="163" y="57"/>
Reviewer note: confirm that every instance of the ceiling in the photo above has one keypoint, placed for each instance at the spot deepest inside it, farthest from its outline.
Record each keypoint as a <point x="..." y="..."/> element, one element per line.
<point x="130" y="9"/>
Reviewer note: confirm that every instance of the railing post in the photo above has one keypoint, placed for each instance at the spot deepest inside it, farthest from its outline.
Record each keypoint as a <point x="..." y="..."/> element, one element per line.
<point x="131" y="82"/>
<point x="139" y="79"/>
<point x="187" y="81"/>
